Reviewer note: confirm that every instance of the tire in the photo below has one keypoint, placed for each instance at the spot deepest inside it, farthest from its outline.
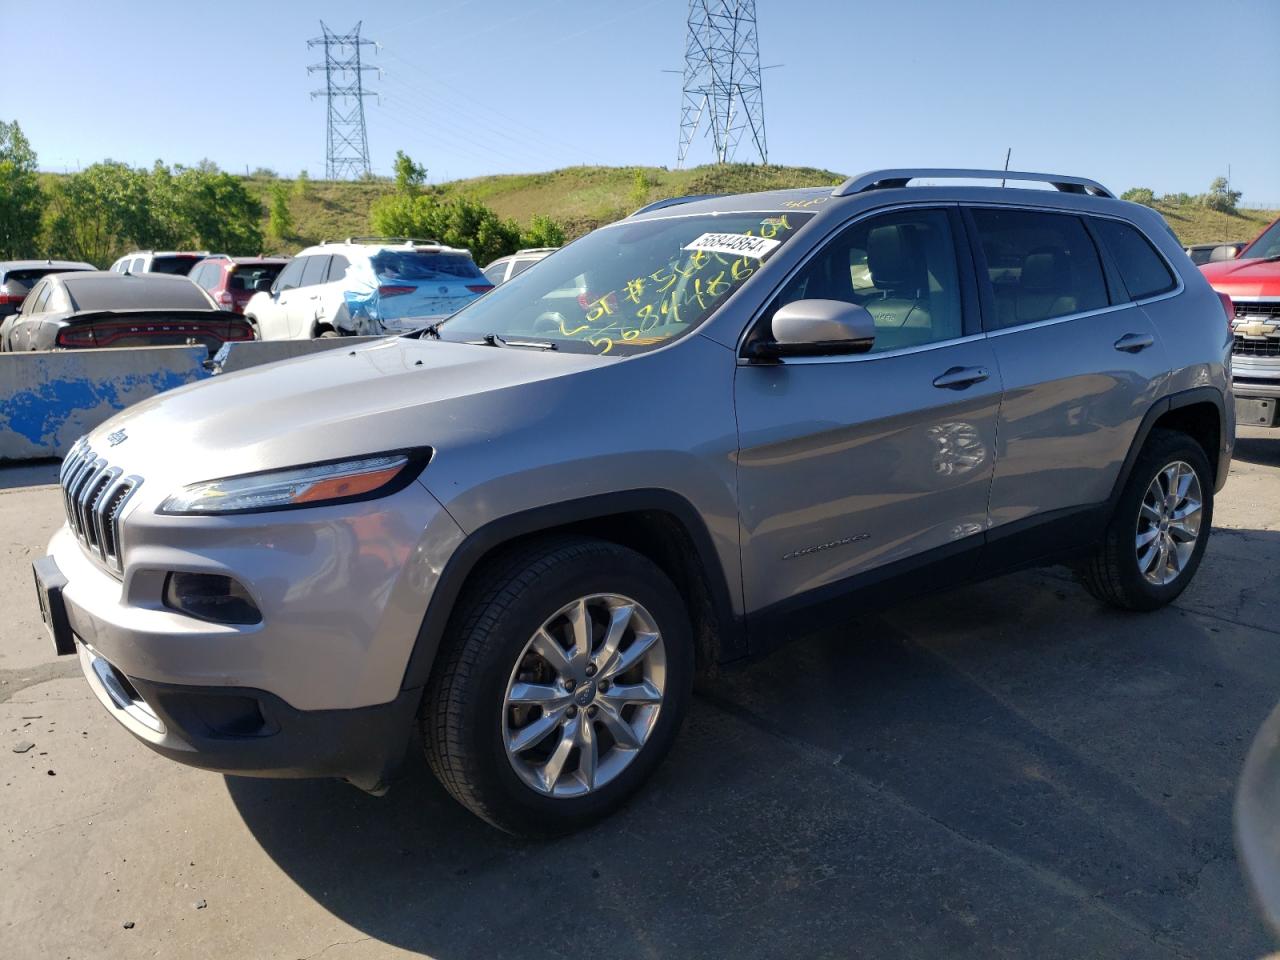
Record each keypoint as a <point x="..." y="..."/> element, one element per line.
<point x="1114" y="573"/>
<point x="326" y="333"/>
<point x="467" y="721"/>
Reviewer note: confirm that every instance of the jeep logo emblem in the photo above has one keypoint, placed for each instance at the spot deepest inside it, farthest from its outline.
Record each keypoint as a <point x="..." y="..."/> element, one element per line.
<point x="117" y="438"/>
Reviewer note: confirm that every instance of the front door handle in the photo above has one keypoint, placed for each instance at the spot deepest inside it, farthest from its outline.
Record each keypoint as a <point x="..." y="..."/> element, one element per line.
<point x="958" y="378"/>
<point x="1133" y="342"/>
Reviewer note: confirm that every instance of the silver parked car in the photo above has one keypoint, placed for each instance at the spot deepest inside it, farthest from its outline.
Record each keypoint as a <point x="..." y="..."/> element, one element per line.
<point x="525" y="528"/>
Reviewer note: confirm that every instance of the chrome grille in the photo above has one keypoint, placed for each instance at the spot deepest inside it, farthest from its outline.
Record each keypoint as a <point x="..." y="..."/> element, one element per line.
<point x="94" y="494"/>
<point x="1257" y="329"/>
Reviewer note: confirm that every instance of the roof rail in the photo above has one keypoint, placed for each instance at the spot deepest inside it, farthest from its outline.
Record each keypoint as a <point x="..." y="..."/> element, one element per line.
<point x="386" y="240"/>
<point x="673" y="201"/>
<point x="535" y="250"/>
<point x="885" y="179"/>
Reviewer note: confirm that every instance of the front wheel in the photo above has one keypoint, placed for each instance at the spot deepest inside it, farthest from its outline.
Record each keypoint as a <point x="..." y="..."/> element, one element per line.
<point x="562" y="683"/>
<point x="1157" y="535"/>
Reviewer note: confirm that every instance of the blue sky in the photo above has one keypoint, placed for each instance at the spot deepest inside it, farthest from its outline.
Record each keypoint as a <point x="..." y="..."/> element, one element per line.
<point x="1132" y="92"/>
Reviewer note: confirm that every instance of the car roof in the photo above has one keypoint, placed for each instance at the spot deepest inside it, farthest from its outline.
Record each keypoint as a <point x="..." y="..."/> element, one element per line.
<point x="104" y="290"/>
<point x="371" y="247"/>
<point x="6" y="265"/>
<point x="882" y="187"/>
<point x="243" y="261"/>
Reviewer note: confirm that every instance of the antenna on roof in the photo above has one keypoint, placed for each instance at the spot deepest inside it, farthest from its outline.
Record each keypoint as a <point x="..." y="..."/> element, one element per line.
<point x="1007" y="154"/>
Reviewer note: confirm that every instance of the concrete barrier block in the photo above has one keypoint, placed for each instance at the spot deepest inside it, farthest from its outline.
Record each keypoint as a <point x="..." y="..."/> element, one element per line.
<point x="252" y="353"/>
<point x="47" y="400"/>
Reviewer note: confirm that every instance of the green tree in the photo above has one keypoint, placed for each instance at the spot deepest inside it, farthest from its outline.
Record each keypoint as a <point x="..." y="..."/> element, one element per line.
<point x="302" y="185"/>
<point x="218" y="212"/>
<point x="639" y="194"/>
<point x="1220" y="197"/>
<point x="279" y="218"/>
<point x="542" y="232"/>
<point x="455" y="221"/>
<point x="409" y="175"/>
<point x="22" y="202"/>
<point x="1141" y="195"/>
<point x="99" y="213"/>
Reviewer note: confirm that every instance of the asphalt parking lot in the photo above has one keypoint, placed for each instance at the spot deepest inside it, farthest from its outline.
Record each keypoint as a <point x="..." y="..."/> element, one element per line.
<point x="1004" y="770"/>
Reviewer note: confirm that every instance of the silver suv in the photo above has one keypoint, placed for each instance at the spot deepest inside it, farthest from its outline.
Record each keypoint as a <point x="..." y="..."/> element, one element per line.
<point x="525" y="528"/>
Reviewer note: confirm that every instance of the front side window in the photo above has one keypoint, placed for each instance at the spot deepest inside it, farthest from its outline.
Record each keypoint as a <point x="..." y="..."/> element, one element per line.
<point x="139" y="265"/>
<point x="901" y="266"/>
<point x="632" y="286"/>
<point x="291" y="275"/>
<point x="495" y="273"/>
<point x="1041" y="266"/>
<point x="1143" y="271"/>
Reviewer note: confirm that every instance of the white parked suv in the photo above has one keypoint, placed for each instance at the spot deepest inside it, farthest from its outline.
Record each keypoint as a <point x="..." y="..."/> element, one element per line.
<point x="367" y="286"/>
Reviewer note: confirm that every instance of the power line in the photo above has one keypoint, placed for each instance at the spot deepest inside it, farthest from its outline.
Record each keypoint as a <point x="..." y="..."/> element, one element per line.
<point x="346" y="143"/>
<point x="722" y="78"/>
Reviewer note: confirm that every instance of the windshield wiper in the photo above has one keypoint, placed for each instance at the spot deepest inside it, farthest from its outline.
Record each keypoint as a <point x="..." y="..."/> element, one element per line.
<point x="493" y="340"/>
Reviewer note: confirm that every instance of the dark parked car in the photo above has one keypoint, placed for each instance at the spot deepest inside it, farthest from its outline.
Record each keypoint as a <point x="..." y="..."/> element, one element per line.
<point x="17" y="277"/>
<point x="231" y="281"/>
<point x="104" y="309"/>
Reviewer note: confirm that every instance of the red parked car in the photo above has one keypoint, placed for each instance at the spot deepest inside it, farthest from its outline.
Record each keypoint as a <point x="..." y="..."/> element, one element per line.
<point x="231" y="281"/>
<point x="1252" y="281"/>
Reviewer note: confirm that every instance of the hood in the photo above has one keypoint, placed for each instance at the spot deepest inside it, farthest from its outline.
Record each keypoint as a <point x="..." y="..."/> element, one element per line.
<point x="388" y="395"/>
<point x="1258" y="278"/>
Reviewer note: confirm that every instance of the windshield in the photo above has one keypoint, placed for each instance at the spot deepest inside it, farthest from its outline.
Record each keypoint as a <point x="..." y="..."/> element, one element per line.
<point x="415" y="265"/>
<point x="1267" y="245"/>
<point x="630" y="287"/>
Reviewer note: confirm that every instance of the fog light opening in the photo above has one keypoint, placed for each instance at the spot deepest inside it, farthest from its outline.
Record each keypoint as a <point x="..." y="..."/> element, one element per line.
<point x="211" y="597"/>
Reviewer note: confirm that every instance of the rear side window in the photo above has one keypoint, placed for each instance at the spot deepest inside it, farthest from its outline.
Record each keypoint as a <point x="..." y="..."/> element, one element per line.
<point x="496" y="272"/>
<point x="338" y="267"/>
<point x="417" y="265"/>
<point x="139" y="266"/>
<point x="1040" y="265"/>
<point x="314" y="270"/>
<point x="1144" y="272"/>
<point x="520" y="266"/>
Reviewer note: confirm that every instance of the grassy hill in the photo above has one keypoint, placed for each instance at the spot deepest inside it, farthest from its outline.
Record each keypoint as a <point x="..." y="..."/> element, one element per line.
<point x="582" y="198"/>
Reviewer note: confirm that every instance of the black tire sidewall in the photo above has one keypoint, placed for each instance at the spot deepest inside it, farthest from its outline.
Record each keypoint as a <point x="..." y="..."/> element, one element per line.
<point x="516" y="806"/>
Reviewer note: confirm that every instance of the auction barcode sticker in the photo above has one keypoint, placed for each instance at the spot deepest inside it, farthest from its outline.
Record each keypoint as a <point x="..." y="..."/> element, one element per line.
<point x="738" y="244"/>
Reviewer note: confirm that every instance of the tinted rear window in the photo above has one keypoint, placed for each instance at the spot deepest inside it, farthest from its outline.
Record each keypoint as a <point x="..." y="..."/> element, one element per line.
<point x="113" y="292"/>
<point x="247" y="277"/>
<point x="414" y="265"/>
<point x="1143" y="271"/>
<point x="178" y="266"/>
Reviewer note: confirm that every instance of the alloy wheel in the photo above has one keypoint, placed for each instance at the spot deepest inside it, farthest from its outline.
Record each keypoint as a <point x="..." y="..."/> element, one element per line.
<point x="1169" y="523"/>
<point x="584" y="696"/>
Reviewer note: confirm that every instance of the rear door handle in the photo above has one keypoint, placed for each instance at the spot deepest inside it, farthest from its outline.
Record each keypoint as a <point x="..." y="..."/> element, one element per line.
<point x="1133" y="342"/>
<point x="957" y="378"/>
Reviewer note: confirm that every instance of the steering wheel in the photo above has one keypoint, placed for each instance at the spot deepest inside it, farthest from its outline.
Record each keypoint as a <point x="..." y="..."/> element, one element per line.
<point x="552" y="321"/>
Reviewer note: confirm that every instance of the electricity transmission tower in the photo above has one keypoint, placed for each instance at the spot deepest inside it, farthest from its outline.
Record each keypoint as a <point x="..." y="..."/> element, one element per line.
<point x="347" y="145"/>
<point x="722" y="78"/>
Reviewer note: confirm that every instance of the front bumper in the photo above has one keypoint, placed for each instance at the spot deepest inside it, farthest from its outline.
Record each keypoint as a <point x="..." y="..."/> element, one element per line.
<point x="254" y="733"/>
<point x="317" y="689"/>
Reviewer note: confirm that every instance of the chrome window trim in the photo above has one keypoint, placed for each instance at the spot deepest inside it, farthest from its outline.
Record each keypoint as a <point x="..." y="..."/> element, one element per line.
<point x="862" y="357"/>
<point x="1065" y="318"/>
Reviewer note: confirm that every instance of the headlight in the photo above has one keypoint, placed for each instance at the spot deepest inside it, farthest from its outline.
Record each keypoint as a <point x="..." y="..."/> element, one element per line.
<point x="340" y="481"/>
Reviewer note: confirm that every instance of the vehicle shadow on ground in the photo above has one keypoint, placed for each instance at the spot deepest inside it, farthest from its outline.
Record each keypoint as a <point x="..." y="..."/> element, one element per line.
<point x="1006" y="764"/>
<point x="1263" y="451"/>
<point x="28" y="473"/>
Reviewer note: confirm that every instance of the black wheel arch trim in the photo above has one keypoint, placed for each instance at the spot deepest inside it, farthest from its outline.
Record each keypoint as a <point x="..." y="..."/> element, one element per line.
<point x="479" y="543"/>
<point x="1164" y="405"/>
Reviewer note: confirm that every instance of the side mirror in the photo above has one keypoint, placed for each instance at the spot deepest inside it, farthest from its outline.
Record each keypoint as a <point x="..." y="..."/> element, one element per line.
<point x="817" y="328"/>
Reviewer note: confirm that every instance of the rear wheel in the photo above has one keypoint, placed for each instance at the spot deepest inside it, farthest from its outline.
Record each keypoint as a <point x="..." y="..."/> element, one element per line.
<point x="1157" y="535"/>
<point x="326" y="333"/>
<point x="561" y="685"/>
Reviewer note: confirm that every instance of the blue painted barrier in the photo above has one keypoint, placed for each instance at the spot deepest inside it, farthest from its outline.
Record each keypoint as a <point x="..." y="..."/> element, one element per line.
<point x="49" y="399"/>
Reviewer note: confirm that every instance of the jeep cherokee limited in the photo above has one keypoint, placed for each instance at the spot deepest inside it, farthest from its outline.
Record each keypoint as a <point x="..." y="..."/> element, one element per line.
<point x="524" y="528"/>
